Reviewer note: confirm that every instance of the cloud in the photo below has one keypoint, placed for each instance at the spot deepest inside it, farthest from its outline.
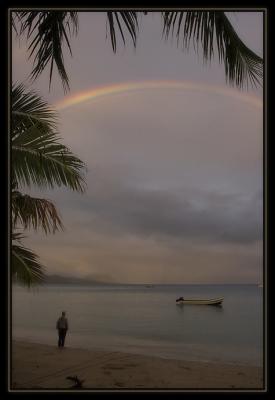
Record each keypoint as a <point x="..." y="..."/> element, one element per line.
<point x="138" y="259"/>
<point x="120" y="232"/>
<point x="115" y="207"/>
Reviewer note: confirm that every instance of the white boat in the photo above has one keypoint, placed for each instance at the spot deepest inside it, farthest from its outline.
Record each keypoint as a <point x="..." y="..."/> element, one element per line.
<point x="216" y="301"/>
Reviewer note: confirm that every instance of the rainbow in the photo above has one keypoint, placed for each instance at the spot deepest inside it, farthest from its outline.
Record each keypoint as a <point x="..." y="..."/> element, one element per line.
<point x="122" y="88"/>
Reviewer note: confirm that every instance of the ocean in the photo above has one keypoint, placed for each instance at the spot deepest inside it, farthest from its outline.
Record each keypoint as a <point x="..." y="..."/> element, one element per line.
<point x="146" y="320"/>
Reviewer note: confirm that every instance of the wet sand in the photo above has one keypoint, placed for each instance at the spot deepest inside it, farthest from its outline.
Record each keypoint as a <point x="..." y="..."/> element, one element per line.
<point x="39" y="366"/>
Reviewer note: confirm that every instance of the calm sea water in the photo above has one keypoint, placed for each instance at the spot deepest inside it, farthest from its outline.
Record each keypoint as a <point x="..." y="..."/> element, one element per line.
<point x="146" y="320"/>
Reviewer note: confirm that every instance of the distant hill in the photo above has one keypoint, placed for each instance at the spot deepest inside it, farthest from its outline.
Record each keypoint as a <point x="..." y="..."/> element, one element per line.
<point x="63" y="280"/>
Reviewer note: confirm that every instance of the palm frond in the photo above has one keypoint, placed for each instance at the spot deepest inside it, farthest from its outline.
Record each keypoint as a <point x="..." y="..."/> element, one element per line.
<point x="25" y="266"/>
<point x="44" y="162"/>
<point x="34" y="213"/>
<point x="214" y="32"/>
<point x="29" y="109"/>
<point x="123" y="20"/>
<point x="38" y="157"/>
<point x="46" y="31"/>
<point x="14" y="18"/>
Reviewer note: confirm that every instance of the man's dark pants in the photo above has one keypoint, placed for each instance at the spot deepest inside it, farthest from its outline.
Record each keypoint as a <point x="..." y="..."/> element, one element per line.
<point x="61" y="337"/>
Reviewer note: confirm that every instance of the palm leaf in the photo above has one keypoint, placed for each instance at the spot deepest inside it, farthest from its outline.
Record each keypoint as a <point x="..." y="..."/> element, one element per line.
<point x="25" y="267"/>
<point x="38" y="157"/>
<point x="44" y="162"/>
<point x="29" y="109"/>
<point x="46" y="31"/>
<point x="214" y="32"/>
<point x="123" y="20"/>
<point x="34" y="212"/>
<point x="14" y="18"/>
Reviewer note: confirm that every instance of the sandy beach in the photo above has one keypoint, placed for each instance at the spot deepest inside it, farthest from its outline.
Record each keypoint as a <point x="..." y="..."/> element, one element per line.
<point x="39" y="366"/>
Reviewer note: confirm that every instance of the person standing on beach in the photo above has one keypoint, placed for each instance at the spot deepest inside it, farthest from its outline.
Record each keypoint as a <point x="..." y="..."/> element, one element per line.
<point x="62" y="326"/>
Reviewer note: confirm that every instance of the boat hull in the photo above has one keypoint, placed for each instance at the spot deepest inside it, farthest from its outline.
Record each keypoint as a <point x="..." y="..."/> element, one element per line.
<point x="214" y="302"/>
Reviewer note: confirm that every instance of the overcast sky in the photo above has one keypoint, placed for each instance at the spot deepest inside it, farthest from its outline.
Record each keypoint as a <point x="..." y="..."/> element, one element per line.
<point x="174" y="180"/>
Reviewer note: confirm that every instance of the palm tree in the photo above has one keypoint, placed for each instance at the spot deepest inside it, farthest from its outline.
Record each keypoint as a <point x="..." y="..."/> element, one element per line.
<point x="39" y="159"/>
<point x="47" y="30"/>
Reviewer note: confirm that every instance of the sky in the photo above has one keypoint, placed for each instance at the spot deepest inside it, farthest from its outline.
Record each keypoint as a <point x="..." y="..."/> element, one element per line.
<point x="174" y="171"/>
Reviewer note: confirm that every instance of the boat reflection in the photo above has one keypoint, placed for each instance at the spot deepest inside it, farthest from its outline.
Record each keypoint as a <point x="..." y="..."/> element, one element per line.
<point x="214" y="308"/>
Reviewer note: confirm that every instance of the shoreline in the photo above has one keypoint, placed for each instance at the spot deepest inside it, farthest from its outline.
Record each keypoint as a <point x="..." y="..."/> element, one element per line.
<point x="144" y="352"/>
<point x="41" y="366"/>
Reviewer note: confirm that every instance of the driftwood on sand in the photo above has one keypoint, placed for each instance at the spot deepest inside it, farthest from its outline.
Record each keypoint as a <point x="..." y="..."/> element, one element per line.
<point x="77" y="382"/>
